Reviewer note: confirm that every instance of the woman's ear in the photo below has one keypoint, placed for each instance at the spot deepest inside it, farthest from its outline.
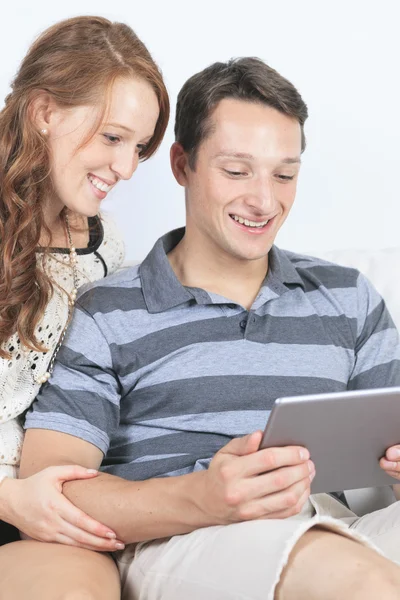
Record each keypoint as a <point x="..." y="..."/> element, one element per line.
<point x="179" y="163"/>
<point x="42" y="110"/>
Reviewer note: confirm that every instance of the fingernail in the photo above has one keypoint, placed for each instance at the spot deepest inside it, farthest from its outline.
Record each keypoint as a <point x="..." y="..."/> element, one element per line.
<point x="312" y="475"/>
<point x="394" y="453"/>
<point x="304" y="454"/>
<point x="91" y="471"/>
<point x="311" y="467"/>
<point x="119" y="546"/>
<point x="111" y="535"/>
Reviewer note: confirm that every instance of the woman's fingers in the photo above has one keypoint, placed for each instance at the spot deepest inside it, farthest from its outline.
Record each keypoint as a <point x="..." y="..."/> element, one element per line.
<point x="70" y="472"/>
<point x="67" y="541"/>
<point x="86" y="540"/>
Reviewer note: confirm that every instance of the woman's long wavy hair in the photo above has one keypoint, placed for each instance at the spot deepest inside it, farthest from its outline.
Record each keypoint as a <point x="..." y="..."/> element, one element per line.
<point x="75" y="62"/>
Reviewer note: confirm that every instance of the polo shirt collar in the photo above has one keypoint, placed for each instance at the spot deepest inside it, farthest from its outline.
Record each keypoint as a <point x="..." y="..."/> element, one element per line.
<point x="162" y="290"/>
<point x="281" y="270"/>
<point x="161" y="287"/>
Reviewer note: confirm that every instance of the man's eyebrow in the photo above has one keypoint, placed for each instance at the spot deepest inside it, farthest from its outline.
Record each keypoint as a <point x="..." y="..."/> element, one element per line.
<point x="244" y="155"/>
<point x="291" y="161"/>
<point x="232" y="154"/>
<point x="119" y="126"/>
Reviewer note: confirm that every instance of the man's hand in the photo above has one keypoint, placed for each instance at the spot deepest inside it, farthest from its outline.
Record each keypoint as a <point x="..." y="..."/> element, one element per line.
<point x="391" y="462"/>
<point x="243" y="483"/>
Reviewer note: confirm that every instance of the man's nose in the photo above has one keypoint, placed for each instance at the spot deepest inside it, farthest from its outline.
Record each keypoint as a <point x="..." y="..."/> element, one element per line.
<point x="262" y="196"/>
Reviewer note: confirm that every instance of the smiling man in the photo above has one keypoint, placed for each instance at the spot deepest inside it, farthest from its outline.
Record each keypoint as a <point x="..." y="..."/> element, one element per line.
<point x="170" y="369"/>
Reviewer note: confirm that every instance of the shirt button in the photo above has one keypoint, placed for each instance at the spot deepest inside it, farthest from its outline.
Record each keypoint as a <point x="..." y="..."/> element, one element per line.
<point x="243" y="324"/>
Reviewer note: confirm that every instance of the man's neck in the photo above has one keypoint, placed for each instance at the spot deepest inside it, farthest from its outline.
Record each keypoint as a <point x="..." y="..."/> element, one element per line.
<point x="203" y="265"/>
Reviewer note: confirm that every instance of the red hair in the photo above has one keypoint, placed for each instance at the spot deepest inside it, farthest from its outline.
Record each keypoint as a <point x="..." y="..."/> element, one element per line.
<point x="76" y="62"/>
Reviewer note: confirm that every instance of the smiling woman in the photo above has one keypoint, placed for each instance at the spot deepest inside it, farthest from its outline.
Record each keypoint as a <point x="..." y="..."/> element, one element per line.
<point x="87" y="105"/>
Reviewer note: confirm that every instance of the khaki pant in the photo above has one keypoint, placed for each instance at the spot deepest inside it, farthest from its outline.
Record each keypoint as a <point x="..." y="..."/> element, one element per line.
<point x="244" y="561"/>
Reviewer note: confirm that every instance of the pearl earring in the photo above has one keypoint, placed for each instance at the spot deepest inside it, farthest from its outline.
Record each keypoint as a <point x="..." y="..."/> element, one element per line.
<point x="44" y="131"/>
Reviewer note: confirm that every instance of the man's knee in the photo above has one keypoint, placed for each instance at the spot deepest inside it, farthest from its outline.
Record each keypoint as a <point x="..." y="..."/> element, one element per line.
<point x="379" y="580"/>
<point x="325" y="564"/>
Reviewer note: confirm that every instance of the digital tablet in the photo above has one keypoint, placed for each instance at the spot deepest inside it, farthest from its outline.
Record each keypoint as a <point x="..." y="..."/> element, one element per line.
<point x="346" y="434"/>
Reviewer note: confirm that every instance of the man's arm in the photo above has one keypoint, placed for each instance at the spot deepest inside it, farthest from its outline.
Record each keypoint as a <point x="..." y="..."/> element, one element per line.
<point x="240" y="484"/>
<point x="377" y="361"/>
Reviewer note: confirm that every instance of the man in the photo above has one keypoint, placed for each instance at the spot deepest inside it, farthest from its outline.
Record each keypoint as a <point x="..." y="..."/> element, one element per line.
<point x="170" y="369"/>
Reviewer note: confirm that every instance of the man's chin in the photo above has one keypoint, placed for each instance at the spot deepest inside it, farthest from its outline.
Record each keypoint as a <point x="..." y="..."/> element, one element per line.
<point x="250" y="257"/>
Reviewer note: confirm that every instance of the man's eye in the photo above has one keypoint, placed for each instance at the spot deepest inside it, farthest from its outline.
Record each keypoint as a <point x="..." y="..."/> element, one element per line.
<point x="113" y="139"/>
<point x="286" y="177"/>
<point x="235" y="173"/>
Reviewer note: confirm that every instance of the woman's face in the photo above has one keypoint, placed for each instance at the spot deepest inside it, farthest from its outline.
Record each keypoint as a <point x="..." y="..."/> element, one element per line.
<point x="83" y="176"/>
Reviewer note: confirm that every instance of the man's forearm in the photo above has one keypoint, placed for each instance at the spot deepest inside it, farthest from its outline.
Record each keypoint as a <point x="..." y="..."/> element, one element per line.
<point x="141" y="510"/>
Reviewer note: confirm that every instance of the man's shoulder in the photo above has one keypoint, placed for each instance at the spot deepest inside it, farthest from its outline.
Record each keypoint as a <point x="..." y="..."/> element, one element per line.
<point x="321" y="272"/>
<point x="121" y="290"/>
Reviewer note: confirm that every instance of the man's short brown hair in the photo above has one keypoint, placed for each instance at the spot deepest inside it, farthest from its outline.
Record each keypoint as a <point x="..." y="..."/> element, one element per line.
<point x="248" y="79"/>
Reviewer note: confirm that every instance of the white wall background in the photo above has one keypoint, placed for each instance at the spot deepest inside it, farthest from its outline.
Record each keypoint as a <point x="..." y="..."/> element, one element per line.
<point x="342" y="55"/>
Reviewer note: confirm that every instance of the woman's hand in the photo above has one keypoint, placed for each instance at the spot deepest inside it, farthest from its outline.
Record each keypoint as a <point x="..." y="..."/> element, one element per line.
<point x="38" y="508"/>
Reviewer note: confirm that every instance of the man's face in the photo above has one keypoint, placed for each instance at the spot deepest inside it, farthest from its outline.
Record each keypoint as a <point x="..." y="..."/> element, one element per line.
<point x="244" y="182"/>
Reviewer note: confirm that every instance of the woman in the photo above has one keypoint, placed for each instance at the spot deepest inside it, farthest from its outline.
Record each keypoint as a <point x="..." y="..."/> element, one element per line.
<point x="87" y="104"/>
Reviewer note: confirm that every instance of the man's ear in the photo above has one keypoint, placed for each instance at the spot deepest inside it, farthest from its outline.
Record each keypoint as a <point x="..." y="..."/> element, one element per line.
<point x="179" y="163"/>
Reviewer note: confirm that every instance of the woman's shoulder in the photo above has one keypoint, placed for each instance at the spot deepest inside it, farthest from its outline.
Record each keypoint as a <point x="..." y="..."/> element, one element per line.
<point x="112" y="247"/>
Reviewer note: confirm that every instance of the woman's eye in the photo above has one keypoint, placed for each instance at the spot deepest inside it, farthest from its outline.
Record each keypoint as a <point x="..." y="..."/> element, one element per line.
<point x="142" y="148"/>
<point x="113" y="139"/>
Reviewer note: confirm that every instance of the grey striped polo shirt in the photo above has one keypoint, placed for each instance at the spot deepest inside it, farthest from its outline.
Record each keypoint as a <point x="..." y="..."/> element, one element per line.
<point x="160" y="376"/>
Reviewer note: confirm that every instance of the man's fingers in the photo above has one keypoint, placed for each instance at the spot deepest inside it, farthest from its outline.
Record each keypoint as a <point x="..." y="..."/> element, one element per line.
<point x="290" y="512"/>
<point x="393" y="453"/>
<point x="395" y="474"/>
<point x="388" y="465"/>
<point x="242" y="446"/>
<point x="286" y="502"/>
<point x="271" y="459"/>
<point x="280" y="479"/>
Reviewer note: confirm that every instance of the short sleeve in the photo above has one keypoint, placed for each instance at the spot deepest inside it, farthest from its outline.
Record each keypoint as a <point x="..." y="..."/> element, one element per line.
<point x="377" y="348"/>
<point x="82" y="397"/>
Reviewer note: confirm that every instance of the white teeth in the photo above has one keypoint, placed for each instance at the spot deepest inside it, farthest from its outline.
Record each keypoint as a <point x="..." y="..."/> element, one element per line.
<point x="249" y="223"/>
<point x="100" y="185"/>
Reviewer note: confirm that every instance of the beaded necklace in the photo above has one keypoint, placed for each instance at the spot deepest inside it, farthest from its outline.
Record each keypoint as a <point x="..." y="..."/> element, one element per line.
<point x="71" y="301"/>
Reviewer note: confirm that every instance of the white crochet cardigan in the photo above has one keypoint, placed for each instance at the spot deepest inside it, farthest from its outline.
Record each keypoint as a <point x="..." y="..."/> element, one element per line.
<point x="18" y="388"/>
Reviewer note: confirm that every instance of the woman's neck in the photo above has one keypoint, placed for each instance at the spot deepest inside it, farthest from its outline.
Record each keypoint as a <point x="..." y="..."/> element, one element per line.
<point x="56" y="224"/>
